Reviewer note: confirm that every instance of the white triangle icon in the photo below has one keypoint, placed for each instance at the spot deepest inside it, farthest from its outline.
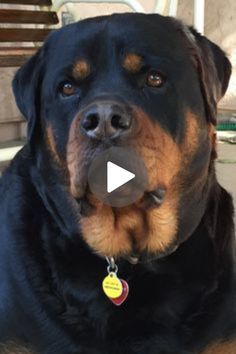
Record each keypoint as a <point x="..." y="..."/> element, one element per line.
<point x="117" y="176"/>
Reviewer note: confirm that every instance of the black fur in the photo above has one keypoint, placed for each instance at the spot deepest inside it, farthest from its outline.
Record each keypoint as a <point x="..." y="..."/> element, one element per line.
<point x="50" y="281"/>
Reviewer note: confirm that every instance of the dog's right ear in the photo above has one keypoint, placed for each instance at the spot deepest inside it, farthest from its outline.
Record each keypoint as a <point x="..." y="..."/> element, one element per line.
<point x="26" y="87"/>
<point x="213" y="69"/>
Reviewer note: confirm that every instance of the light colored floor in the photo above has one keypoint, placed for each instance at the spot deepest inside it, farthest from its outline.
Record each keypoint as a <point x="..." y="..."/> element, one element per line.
<point x="226" y="168"/>
<point x="7" y="152"/>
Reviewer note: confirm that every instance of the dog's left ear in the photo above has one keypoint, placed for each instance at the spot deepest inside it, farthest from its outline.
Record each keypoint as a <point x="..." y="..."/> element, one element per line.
<point x="26" y="87"/>
<point x="214" y="70"/>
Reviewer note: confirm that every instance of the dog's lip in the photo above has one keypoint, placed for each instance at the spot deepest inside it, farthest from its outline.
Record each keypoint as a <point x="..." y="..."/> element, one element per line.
<point x="152" y="199"/>
<point x="149" y="200"/>
<point x="158" y="194"/>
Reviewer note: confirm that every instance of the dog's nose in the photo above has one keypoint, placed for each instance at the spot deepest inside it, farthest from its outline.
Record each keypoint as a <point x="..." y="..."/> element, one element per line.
<point x="106" y="120"/>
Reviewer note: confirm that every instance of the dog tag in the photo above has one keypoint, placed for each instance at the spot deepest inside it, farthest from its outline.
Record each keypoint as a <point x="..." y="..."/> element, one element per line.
<point x="125" y="292"/>
<point x="112" y="286"/>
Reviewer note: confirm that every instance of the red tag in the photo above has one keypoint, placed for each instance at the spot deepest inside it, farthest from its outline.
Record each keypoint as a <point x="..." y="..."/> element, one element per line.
<point x="119" y="301"/>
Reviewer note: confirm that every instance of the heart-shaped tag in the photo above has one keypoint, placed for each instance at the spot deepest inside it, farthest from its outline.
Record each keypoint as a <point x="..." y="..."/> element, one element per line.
<point x="125" y="292"/>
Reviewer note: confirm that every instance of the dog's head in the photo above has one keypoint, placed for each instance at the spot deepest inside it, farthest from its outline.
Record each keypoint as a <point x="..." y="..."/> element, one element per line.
<point x="137" y="81"/>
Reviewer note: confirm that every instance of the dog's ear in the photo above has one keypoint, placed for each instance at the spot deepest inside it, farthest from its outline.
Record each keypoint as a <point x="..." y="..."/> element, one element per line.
<point x="214" y="70"/>
<point x="26" y="87"/>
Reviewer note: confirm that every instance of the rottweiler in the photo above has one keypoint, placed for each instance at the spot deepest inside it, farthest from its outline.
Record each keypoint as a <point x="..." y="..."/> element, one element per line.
<point x="147" y="83"/>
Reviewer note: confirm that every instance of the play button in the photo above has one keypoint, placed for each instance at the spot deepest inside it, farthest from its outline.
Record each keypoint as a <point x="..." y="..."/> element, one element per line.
<point x="117" y="176"/>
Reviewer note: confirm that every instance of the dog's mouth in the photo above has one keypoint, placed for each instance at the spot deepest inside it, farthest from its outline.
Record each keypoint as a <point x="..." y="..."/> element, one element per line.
<point x="145" y="226"/>
<point x="128" y="196"/>
<point x="147" y="201"/>
<point x="101" y="178"/>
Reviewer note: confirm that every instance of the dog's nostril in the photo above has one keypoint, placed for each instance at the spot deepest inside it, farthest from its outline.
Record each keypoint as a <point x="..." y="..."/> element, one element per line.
<point x="91" y="122"/>
<point x="120" y="122"/>
<point x="105" y="120"/>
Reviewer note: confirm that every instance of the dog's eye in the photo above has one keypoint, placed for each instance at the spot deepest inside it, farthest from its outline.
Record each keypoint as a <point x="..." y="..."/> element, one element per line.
<point x="155" y="79"/>
<point x="68" y="89"/>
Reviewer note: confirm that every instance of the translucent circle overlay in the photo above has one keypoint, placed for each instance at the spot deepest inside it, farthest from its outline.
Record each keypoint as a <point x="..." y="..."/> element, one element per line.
<point x="129" y="192"/>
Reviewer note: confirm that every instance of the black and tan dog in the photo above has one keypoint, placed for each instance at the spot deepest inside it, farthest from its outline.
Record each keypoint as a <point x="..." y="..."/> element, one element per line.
<point x="136" y="81"/>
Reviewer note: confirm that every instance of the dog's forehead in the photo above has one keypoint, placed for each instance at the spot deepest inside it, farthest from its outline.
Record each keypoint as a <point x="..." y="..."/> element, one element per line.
<point x="149" y="34"/>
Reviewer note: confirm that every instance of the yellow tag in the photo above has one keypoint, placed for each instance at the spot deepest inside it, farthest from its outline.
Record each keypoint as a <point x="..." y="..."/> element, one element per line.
<point x="112" y="286"/>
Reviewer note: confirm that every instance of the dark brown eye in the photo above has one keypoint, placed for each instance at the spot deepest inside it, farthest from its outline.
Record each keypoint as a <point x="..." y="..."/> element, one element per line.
<point x="155" y="79"/>
<point x="68" y="89"/>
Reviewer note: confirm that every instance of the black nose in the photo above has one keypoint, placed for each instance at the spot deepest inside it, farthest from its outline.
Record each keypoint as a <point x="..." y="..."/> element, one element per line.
<point x="106" y="120"/>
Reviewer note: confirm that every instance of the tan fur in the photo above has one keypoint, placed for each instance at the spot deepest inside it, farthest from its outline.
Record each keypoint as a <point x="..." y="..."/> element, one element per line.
<point x="113" y="232"/>
<point x="213" y="139"/>
<point x="81" y="70"/>
<point x="221" y="348"/>
<point x="52" y="144"/>
<point x="108" y="231"/>
<point x="132" y="62"/>
<point x="76" y="159"/>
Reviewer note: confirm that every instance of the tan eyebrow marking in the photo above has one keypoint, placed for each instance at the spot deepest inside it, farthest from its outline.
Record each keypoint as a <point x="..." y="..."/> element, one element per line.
<point x="132" y="62"/>
<point x="81" y="69"/>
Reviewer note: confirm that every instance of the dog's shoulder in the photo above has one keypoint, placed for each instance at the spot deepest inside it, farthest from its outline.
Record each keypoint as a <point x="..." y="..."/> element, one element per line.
<point x="17" y="192"/>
